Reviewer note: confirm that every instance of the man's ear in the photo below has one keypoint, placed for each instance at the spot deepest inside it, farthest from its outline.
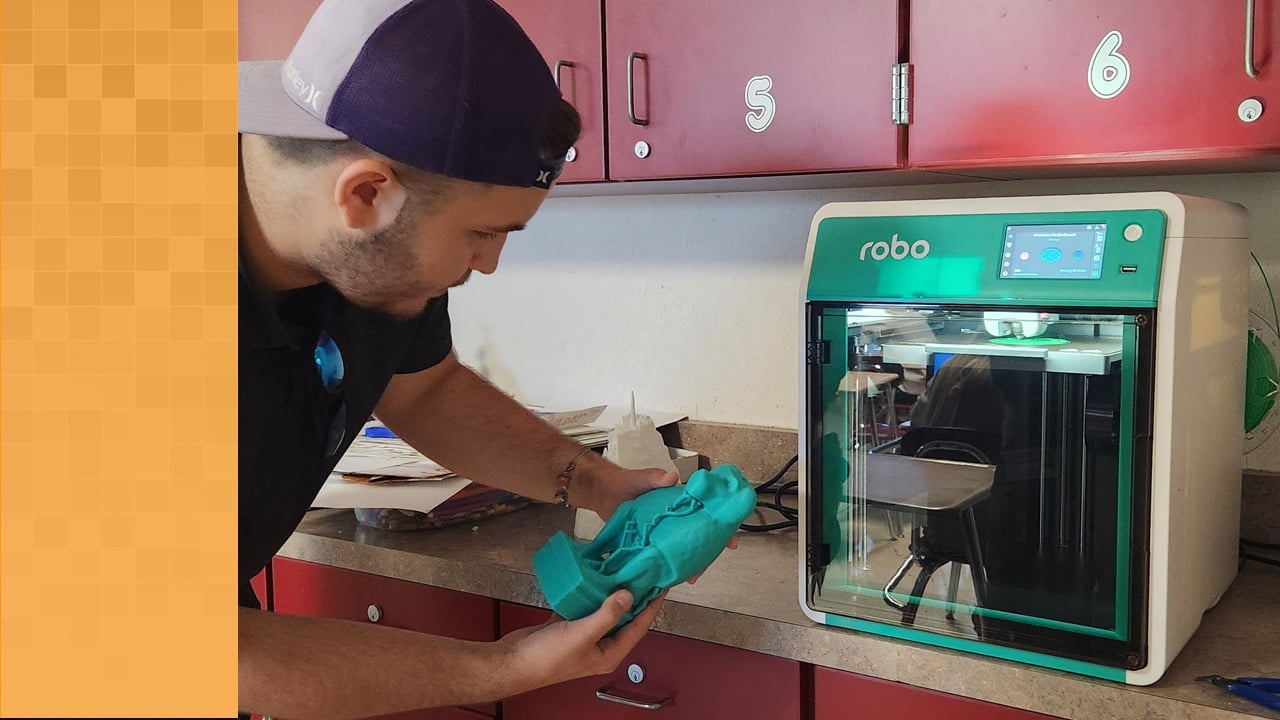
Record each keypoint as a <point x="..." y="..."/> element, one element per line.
<point x="368" y="195"/>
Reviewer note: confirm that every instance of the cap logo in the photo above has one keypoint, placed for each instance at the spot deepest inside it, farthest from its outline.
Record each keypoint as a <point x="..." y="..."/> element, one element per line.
<point x="548" y="172"/>
<point x="306" y="91"/>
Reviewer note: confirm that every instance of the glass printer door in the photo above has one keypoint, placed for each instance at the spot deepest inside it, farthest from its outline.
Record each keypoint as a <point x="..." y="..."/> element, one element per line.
<point x="982" y="473"/>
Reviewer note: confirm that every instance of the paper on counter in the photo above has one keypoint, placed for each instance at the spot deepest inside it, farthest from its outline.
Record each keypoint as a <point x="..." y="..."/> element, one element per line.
<point x="421" y="496"/>
<point x="571" y="418"/>
<point x="388" y="456"/>
<point x="613" y="414"/>
<point x="591" y="426"/>
<point x="394" y="459"/>
<point x="601" y="416"/>
<point x="427" y="485"/>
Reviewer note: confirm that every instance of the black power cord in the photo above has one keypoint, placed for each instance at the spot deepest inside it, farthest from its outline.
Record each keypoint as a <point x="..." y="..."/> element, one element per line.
<point x="790" y="515"/>
<point x="1246" y="555"/>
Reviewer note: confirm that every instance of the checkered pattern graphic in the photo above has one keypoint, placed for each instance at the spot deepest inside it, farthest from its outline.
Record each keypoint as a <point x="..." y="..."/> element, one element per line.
<point x="117" y="360"/>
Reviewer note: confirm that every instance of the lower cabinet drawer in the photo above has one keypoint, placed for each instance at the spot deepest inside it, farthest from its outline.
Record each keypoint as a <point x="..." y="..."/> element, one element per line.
<point x="691" y="679"/>
<point x="449" y="713"/>
<point x="836" y="693"/>
<point x="306" y="588"/>
<point x="436" y="714"/>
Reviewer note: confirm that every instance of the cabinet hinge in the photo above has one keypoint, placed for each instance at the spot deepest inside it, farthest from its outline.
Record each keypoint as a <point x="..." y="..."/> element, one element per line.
<point x="819" y="352"/>
<point x="902" y="94"/>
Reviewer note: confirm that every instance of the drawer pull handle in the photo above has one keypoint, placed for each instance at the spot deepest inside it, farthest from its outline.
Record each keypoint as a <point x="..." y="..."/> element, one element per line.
<point x="1249" y="68"/>
<point x="608" y="692"/>
<point x="631" y="87"/>
<point x="560" y="64"/>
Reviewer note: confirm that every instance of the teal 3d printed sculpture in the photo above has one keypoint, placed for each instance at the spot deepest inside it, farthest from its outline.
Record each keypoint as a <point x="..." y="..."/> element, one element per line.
<point x="651" y="543"/>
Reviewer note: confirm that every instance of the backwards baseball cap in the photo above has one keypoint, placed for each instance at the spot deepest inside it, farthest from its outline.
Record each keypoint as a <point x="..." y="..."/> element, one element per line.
<point x="453" y="87"/>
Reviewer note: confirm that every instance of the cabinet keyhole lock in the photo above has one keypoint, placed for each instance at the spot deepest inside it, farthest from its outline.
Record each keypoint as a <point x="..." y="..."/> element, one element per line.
<point x="375" y="613"/>
<point x="635" y="673"/>
<point x="642" y="149"/>
<point x="1250" y="110"/>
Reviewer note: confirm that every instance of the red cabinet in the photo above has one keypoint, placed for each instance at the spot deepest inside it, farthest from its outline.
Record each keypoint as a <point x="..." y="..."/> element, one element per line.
<point x="835" y="693"/>
<point x="569" y="35"/>
<point x="726" y="87"/>
<point x="261" y="584"/>
<point x="1006" y="84"/>
<point x="690" y="679"/>
<point x="269" y="28"/>
<point x="305" y="588"/>
<point x="718" y="88"/>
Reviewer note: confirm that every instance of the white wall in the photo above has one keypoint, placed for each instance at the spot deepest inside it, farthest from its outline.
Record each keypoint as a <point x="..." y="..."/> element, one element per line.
<point x="692" y="301"/>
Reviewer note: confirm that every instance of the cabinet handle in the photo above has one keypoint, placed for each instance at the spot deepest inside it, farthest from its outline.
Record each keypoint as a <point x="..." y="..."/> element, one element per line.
<point x="1249" y="68"/>
<point x="631" y="87"/>
<point x="609" y="693"/>
<point x="560" y="64"/>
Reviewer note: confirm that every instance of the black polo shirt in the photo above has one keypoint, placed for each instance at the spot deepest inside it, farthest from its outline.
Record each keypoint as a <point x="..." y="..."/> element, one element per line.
<point x="285" y="411"/>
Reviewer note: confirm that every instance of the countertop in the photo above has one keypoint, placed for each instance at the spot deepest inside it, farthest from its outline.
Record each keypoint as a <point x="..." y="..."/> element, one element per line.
<point x="749" y="599"/>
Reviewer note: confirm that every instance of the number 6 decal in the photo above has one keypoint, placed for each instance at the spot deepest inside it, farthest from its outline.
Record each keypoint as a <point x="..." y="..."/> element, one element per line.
<point x="1108" y="70"/>
<point x="760" y="102"/>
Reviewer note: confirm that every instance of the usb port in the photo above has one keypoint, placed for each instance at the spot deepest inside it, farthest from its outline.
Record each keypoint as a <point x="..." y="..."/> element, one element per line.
<point x="1128" y="268"/>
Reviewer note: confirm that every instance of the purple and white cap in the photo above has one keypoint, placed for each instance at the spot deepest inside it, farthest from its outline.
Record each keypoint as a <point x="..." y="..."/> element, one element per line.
<point x="453" y="87"/>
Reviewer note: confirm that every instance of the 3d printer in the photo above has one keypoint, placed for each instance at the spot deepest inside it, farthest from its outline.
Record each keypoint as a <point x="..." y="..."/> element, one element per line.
<point x="1042" y="395"/>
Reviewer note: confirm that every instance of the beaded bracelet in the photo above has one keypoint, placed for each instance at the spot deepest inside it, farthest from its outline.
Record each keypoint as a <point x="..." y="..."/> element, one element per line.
<point x="562" y="480"/>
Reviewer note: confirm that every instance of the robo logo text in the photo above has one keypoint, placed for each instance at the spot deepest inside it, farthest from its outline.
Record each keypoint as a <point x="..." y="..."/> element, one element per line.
<point x="894" y="248"/>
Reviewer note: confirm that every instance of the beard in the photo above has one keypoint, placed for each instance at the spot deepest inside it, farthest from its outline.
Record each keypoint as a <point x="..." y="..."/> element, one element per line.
<point x="379" y="271"/>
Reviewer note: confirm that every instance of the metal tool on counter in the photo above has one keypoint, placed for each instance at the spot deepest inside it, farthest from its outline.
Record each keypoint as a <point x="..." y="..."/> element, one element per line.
<point x="1264" y="691"/>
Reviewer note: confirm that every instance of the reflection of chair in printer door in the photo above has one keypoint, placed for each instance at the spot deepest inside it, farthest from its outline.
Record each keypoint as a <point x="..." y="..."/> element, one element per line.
<point x="958" y="417"/>
<point x="945" y="536"/>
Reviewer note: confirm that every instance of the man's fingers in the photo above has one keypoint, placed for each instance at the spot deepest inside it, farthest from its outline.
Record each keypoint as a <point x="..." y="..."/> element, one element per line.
<point x="627" y="636"/>
<point x="602" y="621"/>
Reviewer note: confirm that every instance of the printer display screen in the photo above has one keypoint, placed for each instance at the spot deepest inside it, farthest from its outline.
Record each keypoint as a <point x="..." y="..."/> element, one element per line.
<point x="1064" y="252"/>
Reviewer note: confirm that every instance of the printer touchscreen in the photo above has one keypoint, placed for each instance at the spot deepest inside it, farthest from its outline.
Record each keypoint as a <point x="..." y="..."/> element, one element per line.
<point x="1064" y="252"/>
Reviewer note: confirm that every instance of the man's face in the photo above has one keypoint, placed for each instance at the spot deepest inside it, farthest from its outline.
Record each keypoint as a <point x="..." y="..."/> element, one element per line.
<point x="426" y="252"/>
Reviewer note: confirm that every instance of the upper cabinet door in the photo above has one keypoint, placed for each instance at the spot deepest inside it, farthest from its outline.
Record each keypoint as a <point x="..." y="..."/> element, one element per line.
<point x="1036" y="82"/>
<point x="750" y="87"/>
<point x="568" y="33"/>
<point x="269" y="28"/>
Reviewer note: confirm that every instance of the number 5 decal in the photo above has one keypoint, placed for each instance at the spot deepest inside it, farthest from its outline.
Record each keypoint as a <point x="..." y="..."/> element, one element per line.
<point x="760" y="102"/>
<point x="1108" y="70"/>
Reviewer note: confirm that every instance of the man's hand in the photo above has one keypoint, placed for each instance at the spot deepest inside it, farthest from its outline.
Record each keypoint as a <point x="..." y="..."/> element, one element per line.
<point x="610" y="486"/>
<point x="562" y="650"/>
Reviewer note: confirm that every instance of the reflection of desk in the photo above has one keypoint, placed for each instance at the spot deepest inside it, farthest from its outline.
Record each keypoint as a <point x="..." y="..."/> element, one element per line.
<point x="926" y="484"/>
<point x="862" y="380"/>
<point x="1082" y="356"/>
<point x="930" y="486"/>
<point x="863" y="383"/>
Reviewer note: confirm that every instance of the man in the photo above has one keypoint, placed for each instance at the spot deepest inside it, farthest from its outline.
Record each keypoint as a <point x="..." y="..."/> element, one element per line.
<point x="382" y="163"/>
